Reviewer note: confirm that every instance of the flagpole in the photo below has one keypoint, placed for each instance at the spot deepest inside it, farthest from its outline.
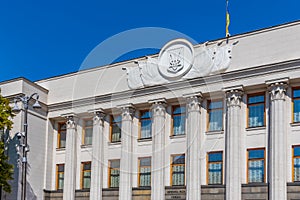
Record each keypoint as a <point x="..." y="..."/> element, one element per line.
<point x="227" y="22"/>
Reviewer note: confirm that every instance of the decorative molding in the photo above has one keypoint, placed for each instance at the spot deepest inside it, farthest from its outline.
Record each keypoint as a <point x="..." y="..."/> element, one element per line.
<point x="71" y="120"/>
<point x="98" y="119"/>
<point x="234" y="96"/>
<point x="277" y="89"/>
<point x="127" y="111"/>
<point x="158" y="107"/>
<point x="193" y="102"/>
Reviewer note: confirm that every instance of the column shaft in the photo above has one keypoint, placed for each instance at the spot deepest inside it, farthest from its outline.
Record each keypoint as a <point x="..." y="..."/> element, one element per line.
<point x="125" y="191"/>
<point x="97" y="157"/>
<point x="71" y="160"/>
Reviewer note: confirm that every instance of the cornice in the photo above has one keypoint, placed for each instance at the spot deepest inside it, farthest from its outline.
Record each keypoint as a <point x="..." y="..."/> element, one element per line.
<point x="154" y="90"/>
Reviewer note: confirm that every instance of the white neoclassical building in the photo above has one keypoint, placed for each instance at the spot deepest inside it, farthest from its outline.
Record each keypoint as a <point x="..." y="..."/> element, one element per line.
<point x="212" y="121"/>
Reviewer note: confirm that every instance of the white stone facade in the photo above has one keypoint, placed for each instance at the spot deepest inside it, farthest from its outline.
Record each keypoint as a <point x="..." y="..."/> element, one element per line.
<point x="263" y="62"/>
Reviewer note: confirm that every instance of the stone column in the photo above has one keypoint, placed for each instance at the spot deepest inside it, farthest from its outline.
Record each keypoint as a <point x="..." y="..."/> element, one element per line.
<point x="193" y="145"/>
<point x="125" y="190"/>
<point x="97" y="156"/>
<point x="158" y="149"/>
<point x="71" y="159"/>
<point x="277" y="141"/>
<point x="233" y="144"/>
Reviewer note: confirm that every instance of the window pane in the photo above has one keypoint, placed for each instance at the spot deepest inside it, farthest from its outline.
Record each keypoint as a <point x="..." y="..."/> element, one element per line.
<point x="62" y="142"/>
<point x="256" y="99"/>
<point x="145" y="114"/>
<point x="215" y="157"/>
<point x="296" y="169"/>
<point x="145" y="128"/>
<point x="86" y="179"/>
<point x="60" y="184"/>
<point x="116" y="132"/>
<point x="179" y="159"/>
<point x="256" y="171"/>
<point x="256" y="154"/>
<point x="178" y="110"/>
<point x="114" y="173"/>
<point x="256" y="115"/>
<point x="88" y="123"/>
<point x="178" y="175"/>
<point x="145" y="172"/>
<point x="296" y="93"/>
<point x="215" y="173"/>
<point x="215" y="120"/>
<point x="145" y="162"/>
<point x="179" y="125"/>
<point x="88" y="136"/>
<point x="297" y="151"/>
<point x="215" y="104"/>
<point x="297" y="110"/>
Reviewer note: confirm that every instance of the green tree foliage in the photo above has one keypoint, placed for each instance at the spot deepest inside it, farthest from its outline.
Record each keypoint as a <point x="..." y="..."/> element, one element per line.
<point x="6" y="169"/>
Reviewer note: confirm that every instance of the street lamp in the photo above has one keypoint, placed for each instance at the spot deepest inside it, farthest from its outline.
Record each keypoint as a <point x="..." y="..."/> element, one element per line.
<point x="25" y="148"/>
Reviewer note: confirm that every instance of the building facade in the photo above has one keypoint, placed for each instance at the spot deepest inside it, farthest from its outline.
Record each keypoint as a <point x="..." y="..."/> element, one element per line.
<point x="207" y="121"/>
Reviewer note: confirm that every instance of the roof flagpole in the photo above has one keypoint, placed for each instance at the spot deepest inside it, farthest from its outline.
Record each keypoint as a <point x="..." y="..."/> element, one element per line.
<point x="227" y="21"/>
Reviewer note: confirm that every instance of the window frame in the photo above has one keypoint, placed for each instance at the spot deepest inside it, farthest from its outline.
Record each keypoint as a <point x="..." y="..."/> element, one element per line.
<point x="293" y="162"/>
<point x="57" y="177"/>
<point x="83" y="171"/>
<point x="140" y="124"/>
<point x="209" y="101"/>
<point x="264" y="159"/>
<point x="84" y="131"/>
<point x="293" y="103"/>
<point x="112" y="122"/>
<point x="60" y="124"/>
<point x="264" y="103"/>
<point x="139" y="170"/>
<point x="109" y="172"/>
<point x="172" y="119"/>
<point x="207" y="167"/>
<point x="171" y="169"/>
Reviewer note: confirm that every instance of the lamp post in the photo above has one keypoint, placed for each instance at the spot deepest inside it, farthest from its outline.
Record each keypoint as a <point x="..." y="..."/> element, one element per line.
<point x="25" y="148"/>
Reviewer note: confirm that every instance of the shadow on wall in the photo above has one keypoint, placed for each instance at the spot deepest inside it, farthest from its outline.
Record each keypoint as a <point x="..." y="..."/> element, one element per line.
<point x="12" y="144"/>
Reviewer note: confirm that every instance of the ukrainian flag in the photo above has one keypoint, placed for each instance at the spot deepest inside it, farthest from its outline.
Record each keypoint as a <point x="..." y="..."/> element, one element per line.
<point x="227" y="20"/>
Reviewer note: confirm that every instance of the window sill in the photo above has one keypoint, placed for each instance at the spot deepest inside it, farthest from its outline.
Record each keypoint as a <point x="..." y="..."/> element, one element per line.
<point x="214" y="132"/>
<point x="61" y="149"/>
<point x="114" y="143"/>
<point x="256" y="128"/>
<point x="177" y="136"/>
<point x="295" y="124"/>
<point x="84" y="146"/>
<point x="144" y="139"/>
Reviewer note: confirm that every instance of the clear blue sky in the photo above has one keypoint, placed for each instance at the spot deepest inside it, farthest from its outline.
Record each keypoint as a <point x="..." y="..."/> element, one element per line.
<point x="40" y="39"/>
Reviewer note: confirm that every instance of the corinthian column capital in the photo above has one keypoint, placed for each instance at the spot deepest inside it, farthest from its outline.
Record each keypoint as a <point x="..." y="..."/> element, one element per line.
<point x="99" y="117"/>
<point x="127" y="111"/>
<point x="277" y="89"/>
<point x="234" y="96"/>
<point x="193" y="102"/>
<point x="158" y="107"/>
<point x="71" y="120"/>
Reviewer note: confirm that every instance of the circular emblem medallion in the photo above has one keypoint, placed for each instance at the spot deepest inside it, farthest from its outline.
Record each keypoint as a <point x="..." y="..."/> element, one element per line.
<point x="176" y="58"/>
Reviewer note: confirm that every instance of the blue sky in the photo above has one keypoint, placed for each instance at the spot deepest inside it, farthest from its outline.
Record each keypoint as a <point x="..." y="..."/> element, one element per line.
<point x="40" y="39"/>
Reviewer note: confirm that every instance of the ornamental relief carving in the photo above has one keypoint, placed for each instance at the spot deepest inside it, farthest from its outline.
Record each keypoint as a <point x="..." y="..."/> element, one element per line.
<point x="158" y="109"/>
<point x="234" y="97"/>
<point x="278" y="91"/>
<point x="194" y="103"/>
<point x="127" y="113"/>
<point x="71" y="124"/>
<point x="99" y="118"/>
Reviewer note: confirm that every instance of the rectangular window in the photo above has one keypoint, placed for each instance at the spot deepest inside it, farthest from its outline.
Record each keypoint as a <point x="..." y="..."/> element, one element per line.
<point x="256" y="165"/>
<point x="88" y="132"/>
<point x="178" y="119"/>
<point x="60" y="170"/>
<point x="115" y="125"/>
<point x="178" y="170"/>
<point x="215" y="115"/>
<point x="145" y="172"/>
<point x="114" y="173"/>
<point x="296" y="163"/>
<point x="86" y="175"/>
<point x="61" y="135"/>
<point x="256" y="110"/>
<point x="296" y="105"/>
<point x="145" y="123"/>
<point x="215" y="168"/>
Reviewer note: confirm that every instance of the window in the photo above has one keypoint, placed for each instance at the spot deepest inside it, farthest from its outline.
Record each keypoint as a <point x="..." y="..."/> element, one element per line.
<point x="178" y="117"/>
<point x="115" y="135"/>
<point x="60" y="169"/>
<point x="256" y="110"/>
<point x="145" y="123"/>
<point x="86" y="175"/>
<point x="215" y="115"/>
<point x="61" y="136"/>
<point x="178" y="170"/>
<point x="296" y="163"/>
<point x="215" y="168"/>
<point x="114" y="173"/>
<point x="144" y="172"/>
<point x="296" y="105"/>
<point x="87" y="132"/>
<point x="256" y="165"/>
